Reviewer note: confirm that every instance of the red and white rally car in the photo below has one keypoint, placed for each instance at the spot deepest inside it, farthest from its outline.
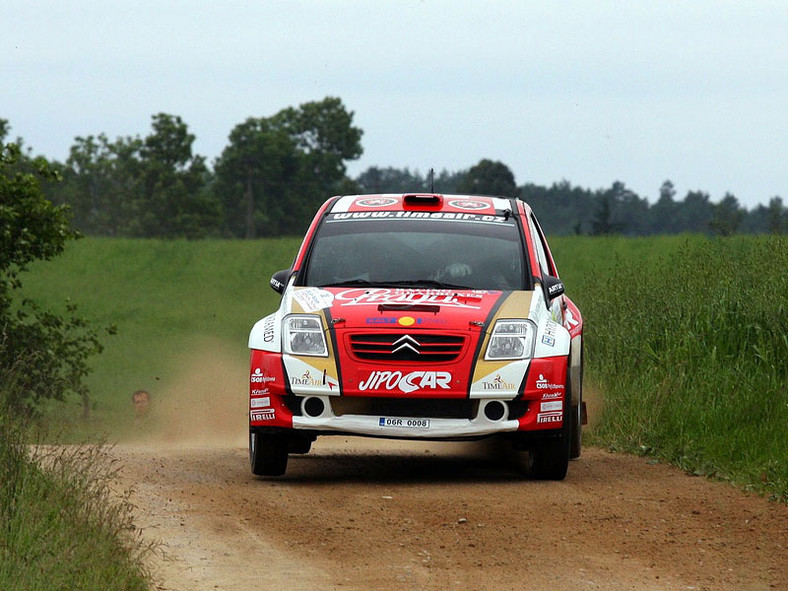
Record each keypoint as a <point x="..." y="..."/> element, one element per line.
<point x="419" y="316"/>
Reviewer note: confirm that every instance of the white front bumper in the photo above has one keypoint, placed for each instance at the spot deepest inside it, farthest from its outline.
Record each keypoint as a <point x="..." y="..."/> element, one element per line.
<point x="378" y="426"/>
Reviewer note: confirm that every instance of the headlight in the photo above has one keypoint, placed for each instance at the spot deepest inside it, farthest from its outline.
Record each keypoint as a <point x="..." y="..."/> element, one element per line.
<point x="511" y="339"/>
<point x="303" y="335"/>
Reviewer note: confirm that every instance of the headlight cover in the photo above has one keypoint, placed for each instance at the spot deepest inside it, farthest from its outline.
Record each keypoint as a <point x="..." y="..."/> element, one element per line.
<point x="511" y="339"/>
<point x="302" y="334"/>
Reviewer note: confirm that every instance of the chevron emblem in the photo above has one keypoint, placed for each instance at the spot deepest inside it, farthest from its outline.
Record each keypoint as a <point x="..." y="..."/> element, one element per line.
<point x="406" y="342"/>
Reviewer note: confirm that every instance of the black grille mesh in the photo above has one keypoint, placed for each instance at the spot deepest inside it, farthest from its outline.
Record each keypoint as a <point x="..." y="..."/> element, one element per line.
<point x="424" y="348"/>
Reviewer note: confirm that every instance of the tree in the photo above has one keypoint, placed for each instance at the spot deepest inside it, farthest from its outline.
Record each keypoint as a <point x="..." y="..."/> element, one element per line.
<point x="664" y="210"/>
<point x="174" y="203"/>
<point x="252" y="177"/>
<point x="694" y="213"/>
<point x="562" y="208"/>
<point x="390" y="180"/>
<point x="140" y="187"/>
<point x="42" y="355"/>
<point x="609" y="203"/>
<point x="727" y="216"/>
<point x="277" y="170"/>
<point x="776" y="215"/>
<point x="489" y="178"/>
<point x="325" y="136"/>
<point x="402" y="180"/>
<point x="101" y="182"/>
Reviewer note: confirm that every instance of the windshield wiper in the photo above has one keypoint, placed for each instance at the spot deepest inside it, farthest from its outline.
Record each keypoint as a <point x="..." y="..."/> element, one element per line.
<point x="357" y="283"/>
<point x="414" y="283"/>
<point x="428" y="283"/>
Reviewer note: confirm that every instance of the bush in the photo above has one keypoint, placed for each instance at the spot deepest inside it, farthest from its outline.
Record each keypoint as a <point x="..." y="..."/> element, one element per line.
<point x="46" y="353"/>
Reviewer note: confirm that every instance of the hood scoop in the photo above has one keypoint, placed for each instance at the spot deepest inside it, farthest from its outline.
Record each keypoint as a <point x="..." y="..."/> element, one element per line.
<point x="431" y="308"/>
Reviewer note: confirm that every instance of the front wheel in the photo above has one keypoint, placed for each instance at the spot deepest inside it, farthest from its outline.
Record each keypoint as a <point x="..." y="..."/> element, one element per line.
<point x="268" y="453"/>
<point x="576" y="392"/>
<point x="550" y="457"/>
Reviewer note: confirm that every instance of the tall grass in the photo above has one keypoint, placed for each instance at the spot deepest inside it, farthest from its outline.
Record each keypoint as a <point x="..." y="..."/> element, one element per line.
<point x="691" y="351"/>
<point x="60" y="525"/>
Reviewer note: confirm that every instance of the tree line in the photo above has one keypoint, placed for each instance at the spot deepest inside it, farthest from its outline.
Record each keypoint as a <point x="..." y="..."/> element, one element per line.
<point x="275" y="171"/>
<point x="566" y="209"/>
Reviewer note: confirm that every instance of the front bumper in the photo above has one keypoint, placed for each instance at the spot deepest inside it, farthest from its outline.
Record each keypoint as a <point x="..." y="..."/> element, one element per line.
<point x="406" y="428"/>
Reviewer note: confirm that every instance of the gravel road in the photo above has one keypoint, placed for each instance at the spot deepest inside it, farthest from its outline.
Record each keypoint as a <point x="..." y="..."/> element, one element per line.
<point x="368" y="514"/>
<point x="360" y="514"/>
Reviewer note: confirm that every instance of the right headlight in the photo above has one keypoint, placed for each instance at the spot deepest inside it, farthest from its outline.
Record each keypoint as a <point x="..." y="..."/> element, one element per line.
<point x="511" y="339"/>
<point x="302" y="334"/>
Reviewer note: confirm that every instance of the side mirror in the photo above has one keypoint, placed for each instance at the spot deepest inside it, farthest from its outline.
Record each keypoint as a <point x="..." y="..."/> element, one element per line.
<point x="279" y="280"/>
<point x="554" y="287"/>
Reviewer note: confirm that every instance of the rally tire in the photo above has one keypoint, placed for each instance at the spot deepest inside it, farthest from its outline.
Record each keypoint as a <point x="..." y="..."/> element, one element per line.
<point x="268" y="453"/>
<point x="577" y="413"/>
<point x="299" y="445"/>
<point x="549" y="458"/>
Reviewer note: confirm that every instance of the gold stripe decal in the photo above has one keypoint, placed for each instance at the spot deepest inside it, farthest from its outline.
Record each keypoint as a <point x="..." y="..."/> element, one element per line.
<point x="496" y="378"/>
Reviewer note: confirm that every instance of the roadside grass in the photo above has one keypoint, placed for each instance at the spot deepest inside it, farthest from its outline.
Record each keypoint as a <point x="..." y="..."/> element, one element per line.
<point x="691" y="351"/>
<point x="61" y="527"/>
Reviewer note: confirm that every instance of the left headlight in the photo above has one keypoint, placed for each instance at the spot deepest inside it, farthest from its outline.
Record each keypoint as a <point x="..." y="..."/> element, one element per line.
<point x="302" y="334"/>
<point x="511" y="339"/>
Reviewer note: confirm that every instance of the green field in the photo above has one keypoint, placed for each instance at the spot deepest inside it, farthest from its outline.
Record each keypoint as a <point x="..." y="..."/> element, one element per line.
<point x="686" y="337"/>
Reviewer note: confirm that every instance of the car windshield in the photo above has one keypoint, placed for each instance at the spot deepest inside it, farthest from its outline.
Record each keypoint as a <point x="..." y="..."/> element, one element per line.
<point x="431" y="252"/>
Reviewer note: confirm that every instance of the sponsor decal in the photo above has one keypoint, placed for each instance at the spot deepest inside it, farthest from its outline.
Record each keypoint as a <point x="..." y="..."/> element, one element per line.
<point x="498" y="383"/>
<point x="403" y="422"/>
<point x="549" y="406"/>
<point x="468" y="204"/>
<point x="543" y="384"/>
<point x="268" y="329"/>
<point x="553" y="289"/>
<point x="259" y="392"/>
<point x="549" y="341"/>
<point x="408" y="382"/>
<point x="551" y="395"/>
<point x="550" y="328"/>
<point x="375" y="297"/>
<point x="569" y="320"/>
<point x="406" y="320"/>
<point x="260" y="402"/>
<point x="420" y="215"/>
<point x="312" y="299"/>
<point x="306" y="379"/>
<point x="257" y="377"/>
<point x="376" y="202"/>
<point x="550" y="417"/>
<point x="267" y="414"/>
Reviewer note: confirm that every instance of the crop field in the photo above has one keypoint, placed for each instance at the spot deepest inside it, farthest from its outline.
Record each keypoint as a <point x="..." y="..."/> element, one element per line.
<point x="686" y="337"/>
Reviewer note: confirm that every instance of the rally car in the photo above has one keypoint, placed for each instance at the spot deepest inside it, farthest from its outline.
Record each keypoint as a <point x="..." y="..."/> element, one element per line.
<point x="419" y="316"/>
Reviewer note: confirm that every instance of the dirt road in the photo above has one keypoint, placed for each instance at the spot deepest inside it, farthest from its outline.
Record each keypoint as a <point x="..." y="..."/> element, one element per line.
<point x="359" y="514"/>
<point x="365" y="514"/>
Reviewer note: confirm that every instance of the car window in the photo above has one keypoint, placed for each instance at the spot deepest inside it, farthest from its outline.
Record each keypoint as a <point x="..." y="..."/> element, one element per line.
<point x="541" y="254"/>
<point x="435" y="252"/>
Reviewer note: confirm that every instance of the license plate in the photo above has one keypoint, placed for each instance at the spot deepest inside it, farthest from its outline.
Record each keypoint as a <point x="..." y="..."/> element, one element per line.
<point x="404" y="423"/>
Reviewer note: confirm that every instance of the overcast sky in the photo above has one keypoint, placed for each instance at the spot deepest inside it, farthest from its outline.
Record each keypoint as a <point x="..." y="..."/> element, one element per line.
<point x="587" y="91"/>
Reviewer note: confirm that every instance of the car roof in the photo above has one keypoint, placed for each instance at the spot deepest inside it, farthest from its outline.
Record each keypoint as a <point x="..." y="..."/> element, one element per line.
<point x="423" y="202"/>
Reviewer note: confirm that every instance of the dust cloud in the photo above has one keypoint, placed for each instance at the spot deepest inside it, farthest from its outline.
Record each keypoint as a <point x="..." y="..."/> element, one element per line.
<point x="203" y="404"/>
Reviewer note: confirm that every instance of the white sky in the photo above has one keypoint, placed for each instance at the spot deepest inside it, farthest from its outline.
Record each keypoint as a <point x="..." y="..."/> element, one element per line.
<point x="695" y="91"/>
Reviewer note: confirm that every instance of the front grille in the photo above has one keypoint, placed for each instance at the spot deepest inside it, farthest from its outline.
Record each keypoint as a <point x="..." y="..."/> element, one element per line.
<point x="422" y="348"/>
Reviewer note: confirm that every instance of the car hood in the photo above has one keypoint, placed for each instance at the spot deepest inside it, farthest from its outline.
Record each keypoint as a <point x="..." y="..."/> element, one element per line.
<point x="442" y="309"/>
